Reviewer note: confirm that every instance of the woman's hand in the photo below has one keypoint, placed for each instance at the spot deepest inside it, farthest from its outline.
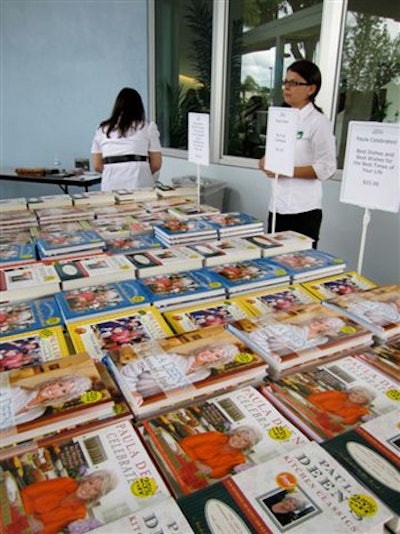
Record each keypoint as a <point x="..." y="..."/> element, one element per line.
<point x="261" y="166"/>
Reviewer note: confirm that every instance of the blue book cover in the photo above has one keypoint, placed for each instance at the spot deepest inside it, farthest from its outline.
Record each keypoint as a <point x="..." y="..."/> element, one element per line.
<point x="303" y="262"/>
<point x="182" y="287"/>
<point x="19" y="317"/>
<point x="181" y="227"/>
<point x="61" y="242"/>
<point x="248" y="274"/>
<point x="131" y="245"/>
<point x="93" y="300"/>
<point x="231" y="219"/>
<point x="17" y="253"/>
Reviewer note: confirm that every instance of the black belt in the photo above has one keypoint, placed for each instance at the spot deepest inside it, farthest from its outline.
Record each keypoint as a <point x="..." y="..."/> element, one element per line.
<point x="122" y="159"/>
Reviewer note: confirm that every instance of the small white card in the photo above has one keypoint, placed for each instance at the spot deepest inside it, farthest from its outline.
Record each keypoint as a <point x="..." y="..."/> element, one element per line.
<point x="371" y="172"/>
<point x="281" y="139"/>
<point x="199" y="134"/>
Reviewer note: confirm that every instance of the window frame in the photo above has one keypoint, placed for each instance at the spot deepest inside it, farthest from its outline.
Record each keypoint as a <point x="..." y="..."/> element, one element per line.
<point x="329" y="61"/>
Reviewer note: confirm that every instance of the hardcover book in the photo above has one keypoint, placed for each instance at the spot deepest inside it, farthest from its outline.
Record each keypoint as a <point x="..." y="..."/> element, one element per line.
<point x="308" y="264"/>
<point x="96" y="269"/>
<point x="226" y="250"/>
<point x="105" y="212"/>
<point x="157" y="375"/>
<point x="180" y="231"/>
<point x="371" y="453"/>
<point x="161" y="260"/>
<point x="131" y="245"/>
<point x="289" y="339"/>
<point x="340" y="284"/>
<point x="16" y="253"/>
<point x="267" y="245"/>
<point x="98" y="335"/>
<point x="378" y="309"/>
<point x="20" y="317"/>
<point x="244" y="276"/>
<point x="30" y="281"/>
<point x="331" y="398"/>
<point x="305" y="490"/>
<point x="119" y="227"/>
<point x="57" y="394"/>
<point x="32" y="348"/>
<point x="77" y="485"/>
<point x="168" y="289"/>
<point x="292" y="241"/>
<point x="207" y="441"/>
<point x="282" y="298"/>
<point x="235" y="223"/>
<point x="100" y="299"/>
<point x="63" y="242"/>
<point x="384" y="357"/>
<point x="205" y="314"/>
<point x="190" y="210"/>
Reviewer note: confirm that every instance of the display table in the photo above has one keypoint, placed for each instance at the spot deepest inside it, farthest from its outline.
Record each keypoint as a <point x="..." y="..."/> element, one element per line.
<point x="62" y="180"/>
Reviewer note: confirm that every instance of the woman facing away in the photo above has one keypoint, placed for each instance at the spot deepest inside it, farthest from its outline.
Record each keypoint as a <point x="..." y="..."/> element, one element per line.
<point x="299" y="197"/>
<point x="126" y="148"/>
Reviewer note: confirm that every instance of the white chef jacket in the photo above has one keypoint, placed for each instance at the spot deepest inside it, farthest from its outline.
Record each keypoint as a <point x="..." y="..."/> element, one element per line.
<point x="130" y="174"/>
<point x="315" y="145"/>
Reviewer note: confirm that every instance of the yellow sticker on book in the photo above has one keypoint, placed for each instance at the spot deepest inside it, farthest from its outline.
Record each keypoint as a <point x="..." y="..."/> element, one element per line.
<point x="348" y="330"/>
<point x="363" y="505"/>
<point x="46" y="333"/>
<point x="144" y="487"/>
<point x="279" y="433"/>
<point x="52" y="320"/>
<point x="244" y="357"/>
<point x="138" y="298"/>
<point x="214" y="284"/>
<point x="393" y="394"/>
<point x="91" y="396"/>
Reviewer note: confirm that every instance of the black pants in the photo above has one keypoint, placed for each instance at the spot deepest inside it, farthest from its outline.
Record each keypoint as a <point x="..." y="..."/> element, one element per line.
<point x="307" y="223"/>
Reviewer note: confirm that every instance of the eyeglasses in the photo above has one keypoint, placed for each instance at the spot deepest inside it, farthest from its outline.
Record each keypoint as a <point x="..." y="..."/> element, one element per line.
<point x="293" y="83"/>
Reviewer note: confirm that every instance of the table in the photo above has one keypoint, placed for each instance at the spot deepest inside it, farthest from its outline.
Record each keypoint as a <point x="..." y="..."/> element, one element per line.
<point x="62" y="180"/>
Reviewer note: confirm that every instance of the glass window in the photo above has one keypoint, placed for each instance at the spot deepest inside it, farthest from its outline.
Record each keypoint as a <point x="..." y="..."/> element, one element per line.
<point x="183" y="44"/>
<point x="370" y="70"/>
<point x="264" y="38"/>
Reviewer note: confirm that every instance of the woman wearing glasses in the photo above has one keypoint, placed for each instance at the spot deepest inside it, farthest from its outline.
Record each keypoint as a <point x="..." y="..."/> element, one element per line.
<point x="299" y="197"/>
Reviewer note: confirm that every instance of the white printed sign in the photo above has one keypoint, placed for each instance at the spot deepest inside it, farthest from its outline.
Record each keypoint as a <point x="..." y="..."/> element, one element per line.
<point x="371" y="172"/>
<point x="281" y="139"/>
<point x="199" y="134"/>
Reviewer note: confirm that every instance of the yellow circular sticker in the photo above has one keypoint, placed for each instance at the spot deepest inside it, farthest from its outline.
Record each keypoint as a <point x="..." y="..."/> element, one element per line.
<point x="46" y="333"/>
<point x="214" y="284"/>
<point x="393" y="394"/>
<point x="348" y="330"/>
<point x="279" y="272"/>
<point x="138" y="298"/>
<point x="91" y="396"/>
<point x="244" y="357"/>
<point x="279" y="433"/>
<point x="144" y="487"/>
<point x="363" y="505"/>
<point x="124" y="267"/>
<point x="52" y="320"/>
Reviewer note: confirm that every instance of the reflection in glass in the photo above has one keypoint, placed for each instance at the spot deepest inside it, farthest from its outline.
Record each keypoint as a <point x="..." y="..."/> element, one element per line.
<point x="264" y="38"/>
<point x="370" y="72"/>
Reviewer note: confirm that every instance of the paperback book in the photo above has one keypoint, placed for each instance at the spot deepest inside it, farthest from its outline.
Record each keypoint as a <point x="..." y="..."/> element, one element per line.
<point x="225" y="251"/>
<point x="119" y="227"/>
<point x="93" y="198"/>
<point x="16" y="220"/>
<point x="331" y="398"/>
<point x="205" y="314"/>
<point x="378" y="309"/>
<point x="162" y="260"/>
<point x="282" y="298"/>
<point x="98" y="269"/>
<point x="17" y="253"/>
<point x="106" y="212"/>
<point x="63" y="242"/>
<point x="304" y="490"/>
<point x="100" y="299"/>
<point x="123" y="196"/>
<point x="371" y="453"/>
<point x="123" y="330"/>
<point x="207" y="441"/>
<point x="234" y="224"/>
<point x="308" y="264"/>
<point x="77" y="485"/>
<point x="24" y="316"/>
<point x="9" y="205"/>
<point x="385" y="357"/>
<point x="49" y="201"/>
<point x="30" y="281"/>
<point x="187" y="286"/>
<point x="175" y="371"/>
<point x="300" y="337"/>
<point x="243" y="276"/>
<point x="59" y="215"/>
<point x="340" y="284"/>
<point x="132" y="245"/>
<point x="55" y="395"/>
<point x="32" y="348"/>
